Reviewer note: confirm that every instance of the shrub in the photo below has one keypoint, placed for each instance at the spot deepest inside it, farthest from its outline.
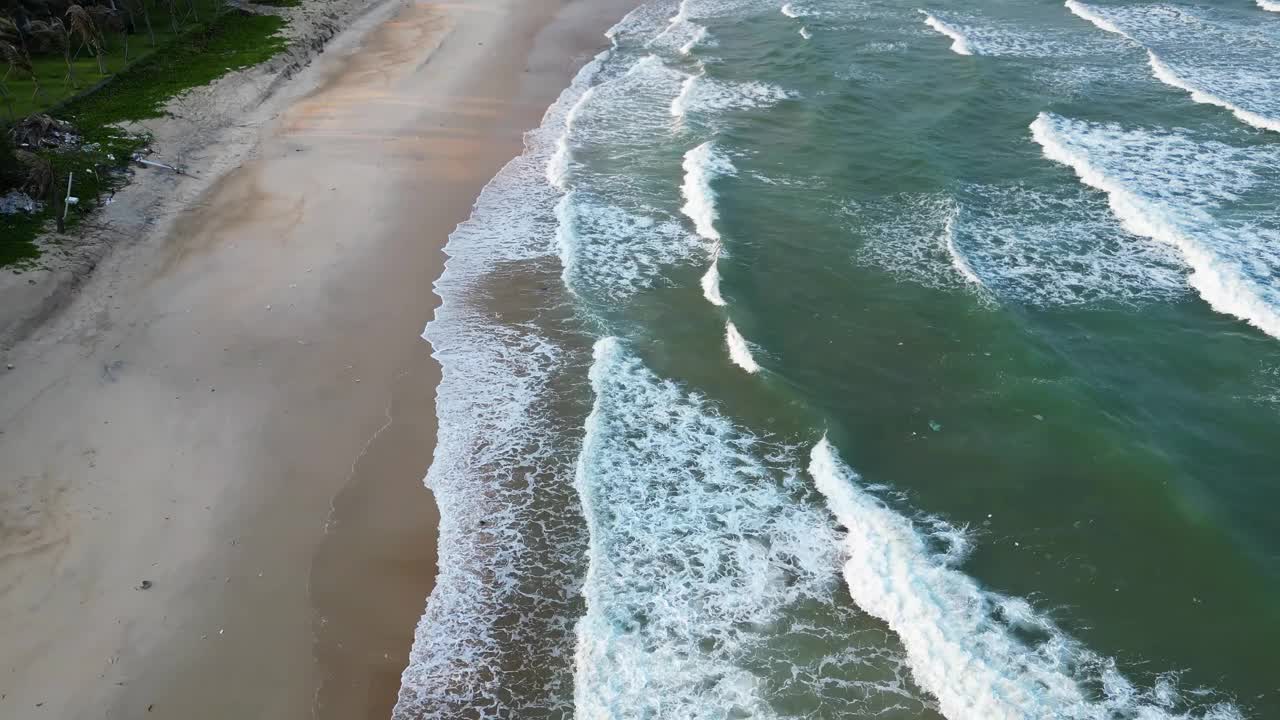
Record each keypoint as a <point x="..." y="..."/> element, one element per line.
<point x="12" y="172"/>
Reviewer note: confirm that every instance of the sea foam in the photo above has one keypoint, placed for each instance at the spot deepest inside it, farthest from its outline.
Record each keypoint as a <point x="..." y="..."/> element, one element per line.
<point x="710" y="97"/>
<point x="1168" y="187"/>
<point x="614" y="237"/>
<point x="682" y="33"/>
<point x="739" y="350"/>
<point x="972" y="649"/>
<point x="1168" y="76"/>
<point x="960" y="43"/>
<point x="711" y="281"/>
<point x="1085" y="12"/>
<point x="1014" y="244"/>
<point x="710" y="589"/>
<point x="1218" y="61"/>
<point x="500" y="468"/>
<point x="610" y="252"/>
<point x="1269" y="5"/>
<point x="973" y="34"/>
<point x="702" y="165"/>
<point x="958" y="259"/>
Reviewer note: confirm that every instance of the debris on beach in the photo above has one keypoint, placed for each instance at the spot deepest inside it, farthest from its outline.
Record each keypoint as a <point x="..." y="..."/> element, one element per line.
<point x="141" y="160"/>
<point x="42" y="131"/>
<point x="144" y="585"/>
<point x="16" y="201"/>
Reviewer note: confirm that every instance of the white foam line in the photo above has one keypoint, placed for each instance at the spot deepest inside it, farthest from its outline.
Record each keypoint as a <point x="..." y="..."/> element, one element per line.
<point x="701" y="165"/>
<point x="698" y="553"/>
<point x="790" y="11"/>
<point x="711" y="281"/>
<point x="558" y="165"/>
<point x="1084" y="11"/>
<point x="1226" y="294"/>
<point x="960" y="44"/>
<point x="804" y="33"/>
<point x="1166" y="75"/>
<point x="490" y="402"/>
<point x="680" y="103"/>
<point x="1269" y="5"/>
<point x="739" y="351"/>
<point x="958" y="260"/>
<point x="698" y="36"/>
<point x="962" y="641"/>
<point x="566" y="238"/>
<point x="681" y="16"/>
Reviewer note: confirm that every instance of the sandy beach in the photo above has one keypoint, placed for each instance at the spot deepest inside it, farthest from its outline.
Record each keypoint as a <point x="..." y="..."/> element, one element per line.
<point x="212" y="456"/>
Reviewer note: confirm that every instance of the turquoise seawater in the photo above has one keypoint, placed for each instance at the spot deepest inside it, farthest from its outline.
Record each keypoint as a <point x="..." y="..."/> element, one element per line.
<point x="854" y="358"/>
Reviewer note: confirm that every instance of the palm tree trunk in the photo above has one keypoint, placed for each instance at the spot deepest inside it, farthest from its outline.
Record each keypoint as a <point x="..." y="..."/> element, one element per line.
<point x="22" y="40"/>
<point x="132" y="25"/>
<point x="146" y="18"/>
<point x="71" y="73"/>
<point x="8" y="100"/>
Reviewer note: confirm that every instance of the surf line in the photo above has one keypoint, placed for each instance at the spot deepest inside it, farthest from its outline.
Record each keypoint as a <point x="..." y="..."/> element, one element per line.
<point x="960" y="43"/>
<point x="702" y="165"/>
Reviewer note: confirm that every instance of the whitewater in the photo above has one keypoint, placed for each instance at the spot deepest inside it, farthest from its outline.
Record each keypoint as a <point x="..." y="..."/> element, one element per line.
<point x="1231" y="264"/>
<point x="637" y="520"/>
<point x="960" y="43"/>
<point x="1248" y="92"/>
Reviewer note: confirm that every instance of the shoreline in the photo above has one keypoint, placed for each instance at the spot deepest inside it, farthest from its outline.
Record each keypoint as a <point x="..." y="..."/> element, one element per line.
<point x="233" y="408"/>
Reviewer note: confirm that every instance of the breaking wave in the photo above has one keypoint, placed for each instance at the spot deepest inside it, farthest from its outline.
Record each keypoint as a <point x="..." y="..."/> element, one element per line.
<point x="1016" y="244"/>
<point x="959" y="44"/>
<point x="984" y="656"/>
<point x="508" y="549"/>
<point x="712" y="573"/>
<point x="702" y="165"/>
<point x="1214" y="59"/>
<point x="1167" y="187"/>
<point x="739" y="351"/>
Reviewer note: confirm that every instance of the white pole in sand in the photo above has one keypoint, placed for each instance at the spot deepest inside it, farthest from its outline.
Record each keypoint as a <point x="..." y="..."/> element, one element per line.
<point x="66" y="203"/>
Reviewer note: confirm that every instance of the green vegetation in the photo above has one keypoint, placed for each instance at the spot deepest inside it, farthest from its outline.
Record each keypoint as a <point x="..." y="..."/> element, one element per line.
<point x="94" y="87"/>
<point x="201" y="56"/>
<point x="277" y="3"/>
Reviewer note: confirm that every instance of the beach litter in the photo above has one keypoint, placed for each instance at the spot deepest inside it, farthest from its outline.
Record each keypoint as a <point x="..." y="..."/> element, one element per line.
<point x="144" y="585"/>
<point x="138" y="158"/>
<point x="43" y="131"/>
<point x="16" y="201"/>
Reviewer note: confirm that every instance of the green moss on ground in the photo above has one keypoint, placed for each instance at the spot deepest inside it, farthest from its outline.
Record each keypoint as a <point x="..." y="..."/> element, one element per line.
<point x="200" y="55"/>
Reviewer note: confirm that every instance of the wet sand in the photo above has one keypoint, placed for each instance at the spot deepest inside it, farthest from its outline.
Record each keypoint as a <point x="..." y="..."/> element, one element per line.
<point x="244" y="419"/>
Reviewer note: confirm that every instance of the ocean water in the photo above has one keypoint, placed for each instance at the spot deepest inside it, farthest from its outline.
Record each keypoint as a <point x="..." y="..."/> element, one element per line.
<point x="863" y="359"/>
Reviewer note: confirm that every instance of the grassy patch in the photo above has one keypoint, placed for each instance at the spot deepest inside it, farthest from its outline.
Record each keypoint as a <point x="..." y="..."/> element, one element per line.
<point x="200" y="55"/>
<point x="277" y="3"/>
<point x="58" y="84"/>
<point x="16" y="234"/>
<point x="204" y="54"/>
